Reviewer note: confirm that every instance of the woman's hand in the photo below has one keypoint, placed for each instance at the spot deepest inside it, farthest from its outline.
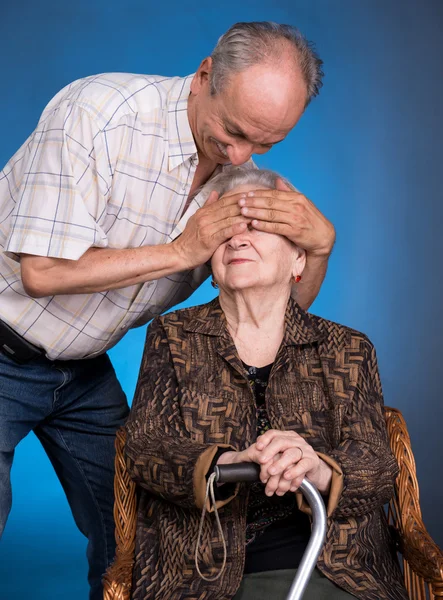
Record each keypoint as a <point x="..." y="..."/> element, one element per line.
<point x="285" y="459"/>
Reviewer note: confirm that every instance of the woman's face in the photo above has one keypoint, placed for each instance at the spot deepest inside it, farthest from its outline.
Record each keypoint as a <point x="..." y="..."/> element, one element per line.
<point x="256" y="259"/>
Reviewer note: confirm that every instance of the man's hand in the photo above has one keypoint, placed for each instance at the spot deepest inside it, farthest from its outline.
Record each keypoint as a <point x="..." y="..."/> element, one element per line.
<point x="217" y="221"/>
<point x="291" y="214"/>
<point x="102" y="269"/>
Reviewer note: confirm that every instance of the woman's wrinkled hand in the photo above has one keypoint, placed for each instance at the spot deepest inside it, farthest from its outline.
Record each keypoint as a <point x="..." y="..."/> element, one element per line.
<point x="285" y="459"/>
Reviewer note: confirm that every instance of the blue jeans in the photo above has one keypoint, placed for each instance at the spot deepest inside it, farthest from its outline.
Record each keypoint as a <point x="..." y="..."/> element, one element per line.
<point x="74" y="408"/>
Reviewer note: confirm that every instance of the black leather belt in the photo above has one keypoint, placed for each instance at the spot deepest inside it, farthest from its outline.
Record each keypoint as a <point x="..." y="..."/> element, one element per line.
<point x="14" y="346"/>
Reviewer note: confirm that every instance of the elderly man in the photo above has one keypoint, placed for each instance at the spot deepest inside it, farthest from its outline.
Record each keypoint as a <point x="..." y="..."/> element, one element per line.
<point x="101" y="229"/>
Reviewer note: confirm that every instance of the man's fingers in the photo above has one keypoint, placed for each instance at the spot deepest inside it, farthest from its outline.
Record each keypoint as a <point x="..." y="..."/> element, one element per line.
<point x="234" y="197"/>
<point x="206" y="230"/>
<point x="208" y="218"/>
<point x="225" y="200"/>
<point x="276" y="204"/>
<point x="277" y="228"/>
<point x="236" y="225"/>
<point x="273" y="215"/>
<point x="219" y="210"/>
<point x="267" y="197"/>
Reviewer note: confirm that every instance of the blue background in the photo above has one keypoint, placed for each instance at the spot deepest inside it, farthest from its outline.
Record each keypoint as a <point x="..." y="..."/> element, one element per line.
<point x="368" y="152"/>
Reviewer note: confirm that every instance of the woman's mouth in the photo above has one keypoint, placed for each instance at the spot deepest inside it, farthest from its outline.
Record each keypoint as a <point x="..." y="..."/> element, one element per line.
<point x="239" y="261"/>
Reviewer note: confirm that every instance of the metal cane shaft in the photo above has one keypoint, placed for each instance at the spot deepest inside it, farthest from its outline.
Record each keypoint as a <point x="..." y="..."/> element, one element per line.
<point x="251" y="472"/>
<point x="316" y="541"/>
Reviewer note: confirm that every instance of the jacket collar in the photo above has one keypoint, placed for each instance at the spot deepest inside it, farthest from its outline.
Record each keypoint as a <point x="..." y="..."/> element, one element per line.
<point x="180" y="139"/>
<point x="299" y="327"/>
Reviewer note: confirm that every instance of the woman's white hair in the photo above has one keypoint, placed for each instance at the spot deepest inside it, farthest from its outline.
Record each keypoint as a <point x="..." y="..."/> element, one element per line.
<point x="246" y="174"/>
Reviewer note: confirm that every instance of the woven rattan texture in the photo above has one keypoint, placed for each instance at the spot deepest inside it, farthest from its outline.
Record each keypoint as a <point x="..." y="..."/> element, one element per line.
<point x="422" y="558"/>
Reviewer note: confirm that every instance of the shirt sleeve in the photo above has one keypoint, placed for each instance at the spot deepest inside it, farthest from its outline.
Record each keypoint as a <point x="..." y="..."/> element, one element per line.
<point x="65" y="183"/>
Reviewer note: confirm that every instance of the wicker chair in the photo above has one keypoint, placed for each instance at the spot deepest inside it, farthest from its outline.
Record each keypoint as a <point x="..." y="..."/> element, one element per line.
<point x="422" y="558"/>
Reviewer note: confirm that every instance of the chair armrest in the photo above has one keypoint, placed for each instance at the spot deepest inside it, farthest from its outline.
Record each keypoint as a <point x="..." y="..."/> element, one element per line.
<point x="117" y="581"/>
<point x="421" y="552"/>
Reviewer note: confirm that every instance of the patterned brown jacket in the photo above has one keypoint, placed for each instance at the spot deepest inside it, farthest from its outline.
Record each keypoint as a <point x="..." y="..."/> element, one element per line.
<point x="193" y="398"/>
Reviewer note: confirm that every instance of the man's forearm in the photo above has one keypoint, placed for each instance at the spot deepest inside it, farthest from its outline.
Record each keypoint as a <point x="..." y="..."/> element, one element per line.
<point x="314" y="273"/>
<point x="99" y="269"/>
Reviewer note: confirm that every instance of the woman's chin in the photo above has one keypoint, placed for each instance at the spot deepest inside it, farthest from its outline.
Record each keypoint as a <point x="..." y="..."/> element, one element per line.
<point x="238" y="284"/>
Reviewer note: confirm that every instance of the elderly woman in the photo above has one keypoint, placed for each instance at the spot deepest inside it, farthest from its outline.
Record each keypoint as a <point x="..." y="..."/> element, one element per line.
<point x="251" y="377"/>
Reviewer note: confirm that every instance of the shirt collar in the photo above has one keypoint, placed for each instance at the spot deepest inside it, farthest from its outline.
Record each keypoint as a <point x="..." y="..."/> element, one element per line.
<point x="180" y="139"/>
<point x="299" y="327"/>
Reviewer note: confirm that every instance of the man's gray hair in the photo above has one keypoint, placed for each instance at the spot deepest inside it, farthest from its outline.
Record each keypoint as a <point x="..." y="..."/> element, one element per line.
<point x="248" y="44"/>
<point x="245" y="174"/>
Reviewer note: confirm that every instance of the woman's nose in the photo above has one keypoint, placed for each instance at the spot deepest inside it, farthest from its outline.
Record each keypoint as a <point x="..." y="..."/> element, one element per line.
<point x="239" y="241"/>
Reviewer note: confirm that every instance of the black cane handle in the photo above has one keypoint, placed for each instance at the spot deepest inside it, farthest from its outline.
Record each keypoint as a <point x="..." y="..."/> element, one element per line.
<point x="234" y="473"/>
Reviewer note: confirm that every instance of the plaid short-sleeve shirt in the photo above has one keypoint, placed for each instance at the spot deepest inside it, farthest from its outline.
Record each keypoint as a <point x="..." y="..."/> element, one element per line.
<point x="110" y="164"/>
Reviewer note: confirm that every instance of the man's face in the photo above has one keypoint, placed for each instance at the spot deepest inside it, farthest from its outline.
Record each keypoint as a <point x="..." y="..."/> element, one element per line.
<point x="256" y="110"/>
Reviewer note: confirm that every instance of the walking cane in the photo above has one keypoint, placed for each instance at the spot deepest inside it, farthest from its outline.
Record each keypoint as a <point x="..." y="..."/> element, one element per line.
<point x="249" y="472"/>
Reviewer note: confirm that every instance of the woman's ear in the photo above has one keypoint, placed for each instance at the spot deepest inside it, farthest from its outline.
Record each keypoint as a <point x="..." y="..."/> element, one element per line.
<point x="299" y="261"/>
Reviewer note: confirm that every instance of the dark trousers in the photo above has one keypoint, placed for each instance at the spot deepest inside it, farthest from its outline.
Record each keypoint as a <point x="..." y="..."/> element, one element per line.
<point x="74" y="408"/>
<point x="275" y="585"/>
